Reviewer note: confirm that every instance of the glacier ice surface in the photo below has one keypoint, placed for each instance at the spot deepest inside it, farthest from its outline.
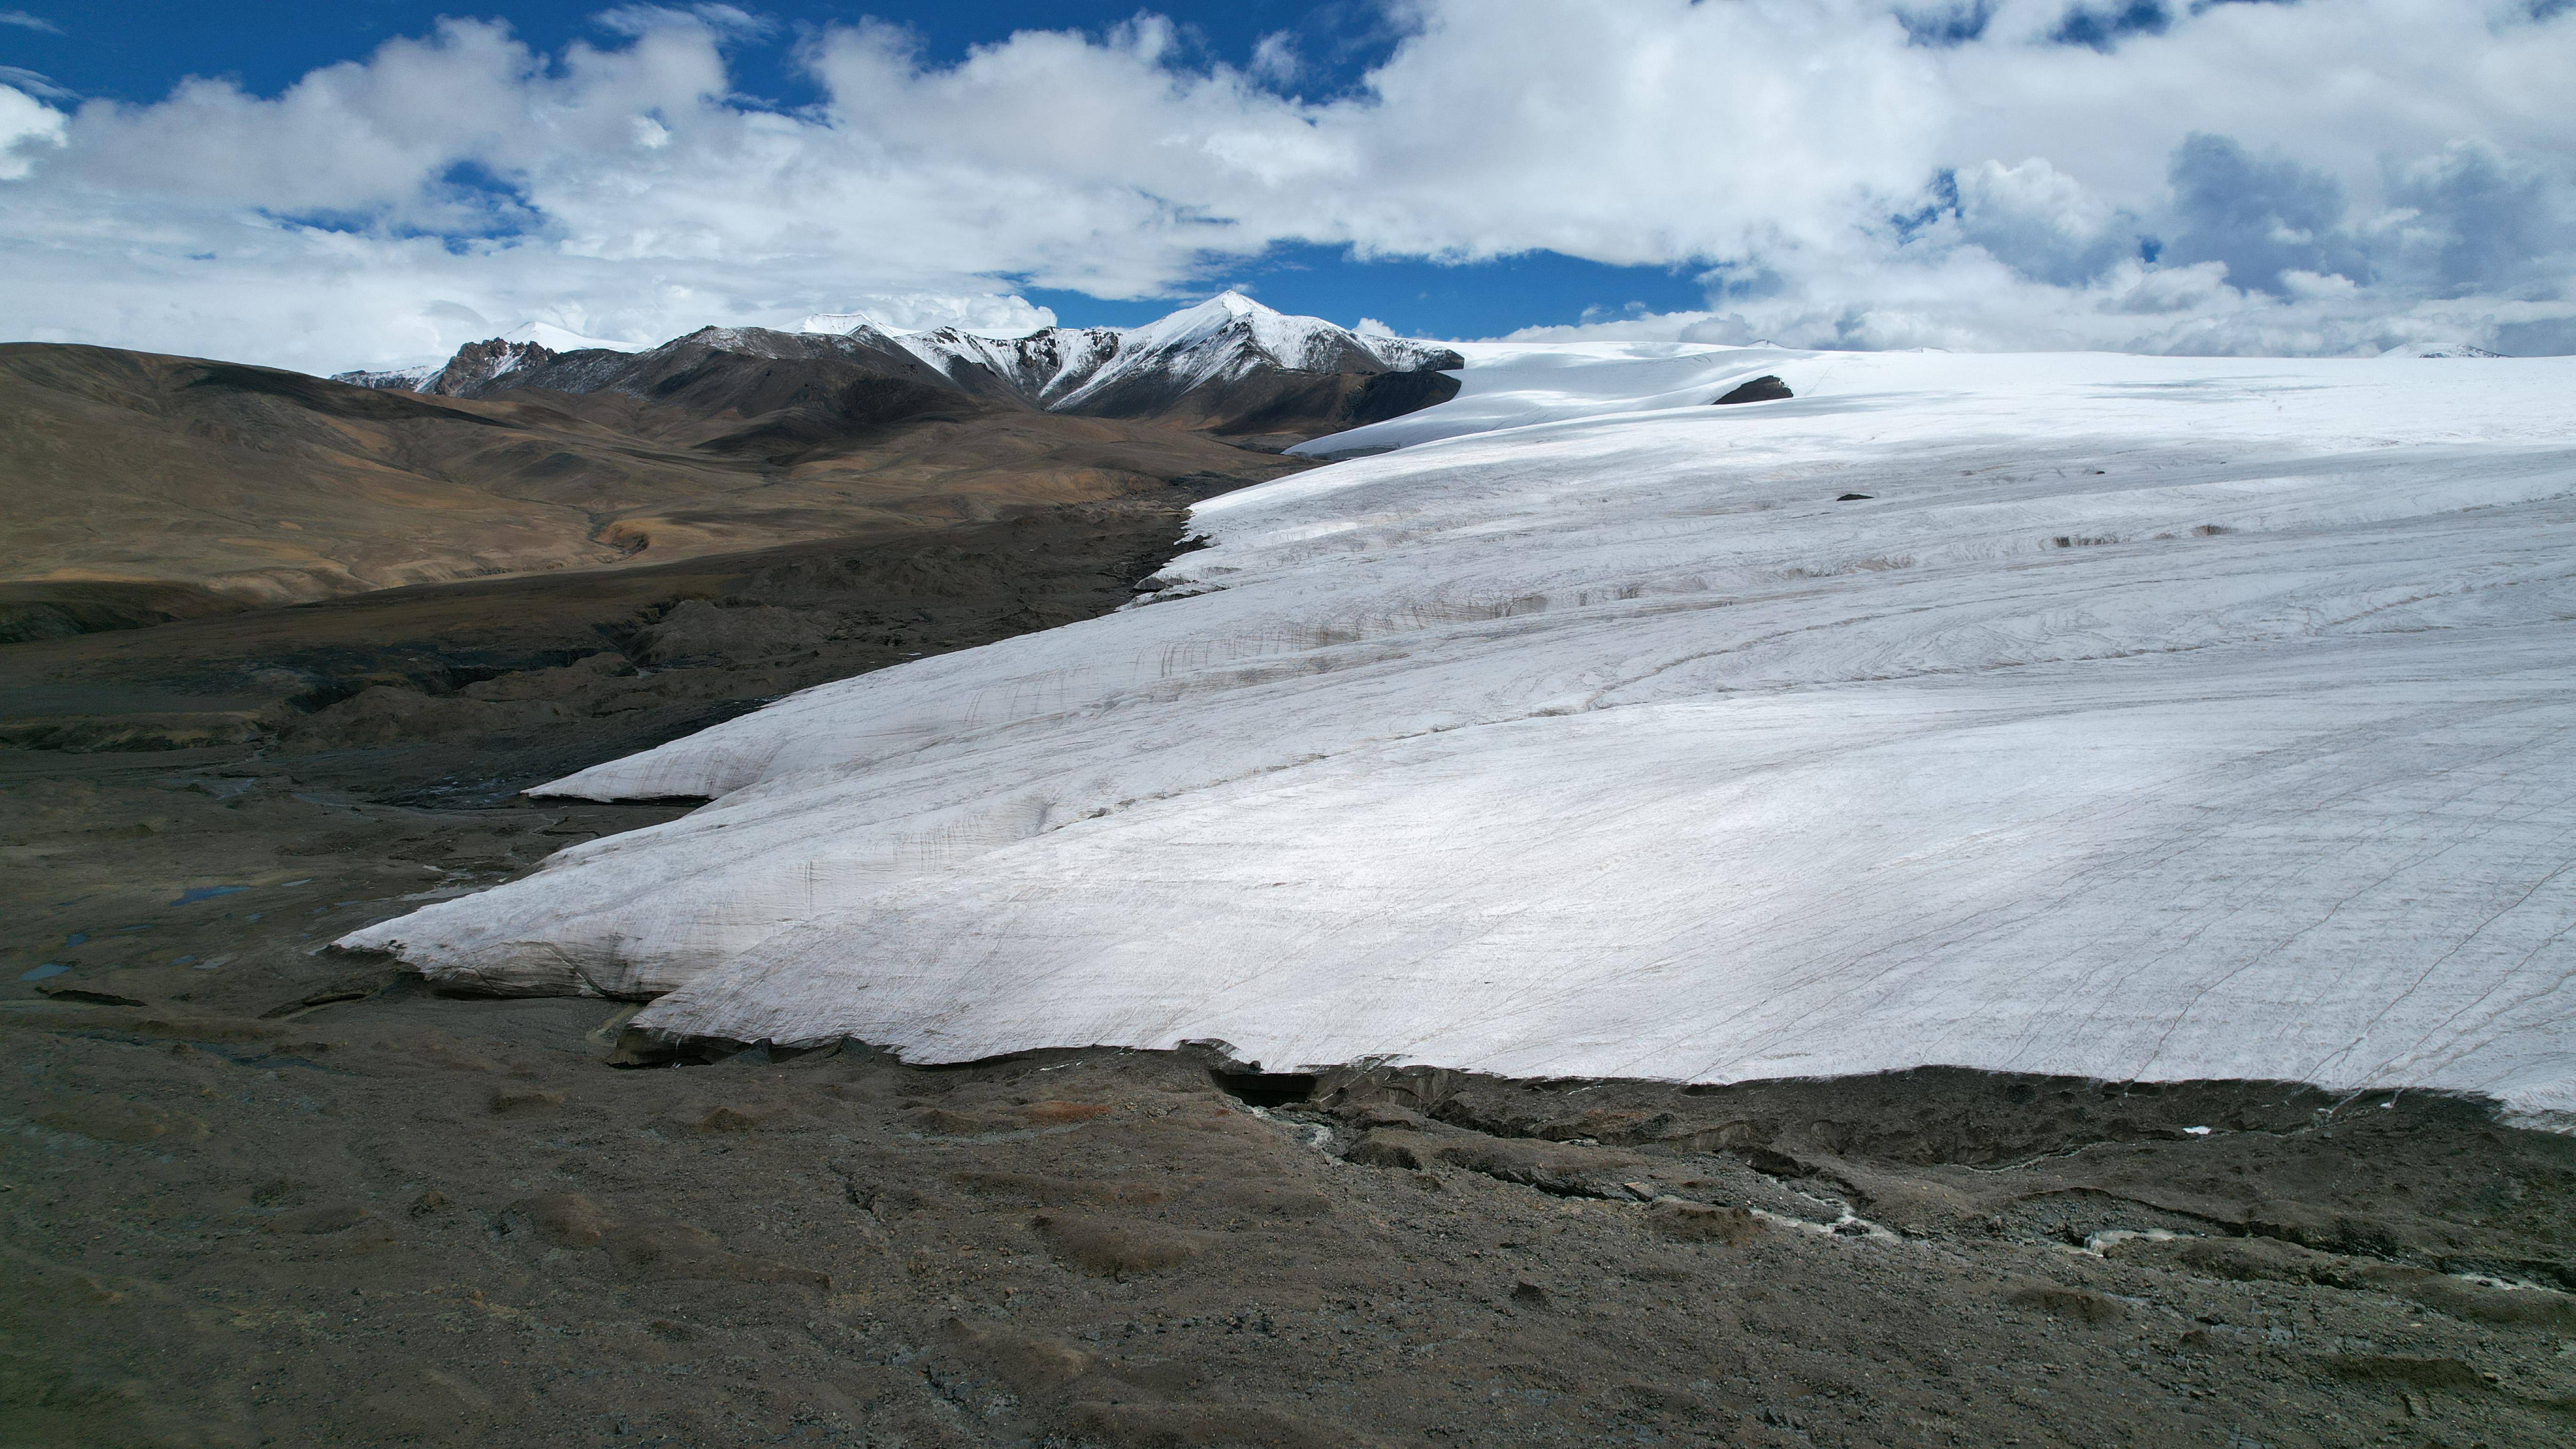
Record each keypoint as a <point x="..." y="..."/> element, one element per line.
<point x="2151" y="719"/>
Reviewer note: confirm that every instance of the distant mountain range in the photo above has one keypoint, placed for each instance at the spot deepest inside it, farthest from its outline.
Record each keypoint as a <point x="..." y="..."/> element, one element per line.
<point x="1228" y="366"/>
<point x="478" y="363"/>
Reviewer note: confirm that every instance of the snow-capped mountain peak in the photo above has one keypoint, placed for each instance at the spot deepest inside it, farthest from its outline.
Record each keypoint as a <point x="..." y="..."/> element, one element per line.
<point x="1228" y="364"/>
<point x="479" y="364"/>
<point x="1230" y="336"/>
<point x="1224" y="338"/>
<point x="1212" y="316"/>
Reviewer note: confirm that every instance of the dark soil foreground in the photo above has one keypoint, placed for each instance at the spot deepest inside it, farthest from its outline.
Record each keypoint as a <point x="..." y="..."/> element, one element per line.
<point x="254" y="1192"/>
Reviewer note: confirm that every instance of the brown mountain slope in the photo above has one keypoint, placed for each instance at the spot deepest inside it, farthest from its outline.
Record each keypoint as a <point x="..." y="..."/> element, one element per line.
<point x="137" y="488"/>
<point x="1281" y="409"/>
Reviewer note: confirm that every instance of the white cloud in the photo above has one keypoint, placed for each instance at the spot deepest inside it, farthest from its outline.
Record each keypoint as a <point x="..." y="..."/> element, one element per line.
<point x="2042" y="221"/>
<point x="25" y="21"/>
<point x="25" y="125"/>
<point x="985" y="313"/>
<point x="1274" y="58"/>
<point x="34" y="83"/>
<point x="2195" y="189"/>
<point x="721" y="19"/>
<point x="1968" y="302"/>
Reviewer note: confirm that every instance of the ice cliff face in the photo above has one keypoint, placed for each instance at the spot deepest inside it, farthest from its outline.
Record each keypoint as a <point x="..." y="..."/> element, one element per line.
<point x="2140" y="718"/>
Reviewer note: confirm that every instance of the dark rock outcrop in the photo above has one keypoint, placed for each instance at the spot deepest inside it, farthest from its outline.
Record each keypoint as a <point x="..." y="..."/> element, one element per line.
<point x="1765" y="388"/>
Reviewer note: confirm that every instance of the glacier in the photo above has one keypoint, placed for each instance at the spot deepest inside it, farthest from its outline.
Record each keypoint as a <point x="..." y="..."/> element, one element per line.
<point x="2134" y="718"/>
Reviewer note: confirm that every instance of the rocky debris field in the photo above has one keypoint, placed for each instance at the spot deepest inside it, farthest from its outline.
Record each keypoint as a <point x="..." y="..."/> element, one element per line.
<point x="490" y="686"/>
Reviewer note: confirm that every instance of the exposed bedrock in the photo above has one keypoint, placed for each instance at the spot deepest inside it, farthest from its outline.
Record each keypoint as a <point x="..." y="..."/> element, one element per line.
<point x="1760" y="389"/>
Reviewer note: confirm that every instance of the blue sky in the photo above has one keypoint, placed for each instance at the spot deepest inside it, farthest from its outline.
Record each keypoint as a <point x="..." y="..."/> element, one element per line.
<point x="371" y="181"/>
<point x="1435" y="299"/>
<point x="135" y="50"/>
<point x="154" y="44"/>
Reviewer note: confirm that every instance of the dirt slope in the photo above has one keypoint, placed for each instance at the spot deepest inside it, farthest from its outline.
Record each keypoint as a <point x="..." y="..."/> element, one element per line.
<point x="138" y="488"/>
<point x="573" y="667"/>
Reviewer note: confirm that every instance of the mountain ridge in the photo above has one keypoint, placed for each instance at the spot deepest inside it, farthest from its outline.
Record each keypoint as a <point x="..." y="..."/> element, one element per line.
<point x="1228" y="366"/>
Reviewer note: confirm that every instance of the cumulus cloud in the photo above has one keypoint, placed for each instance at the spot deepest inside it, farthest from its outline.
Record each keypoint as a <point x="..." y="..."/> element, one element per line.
<point x="2472" y="218"/>
<point x="984" y="313"/>
<point x="1994" y="173"/>
<point x="2264" y="220"/>
<point x="2040" y="221"/>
